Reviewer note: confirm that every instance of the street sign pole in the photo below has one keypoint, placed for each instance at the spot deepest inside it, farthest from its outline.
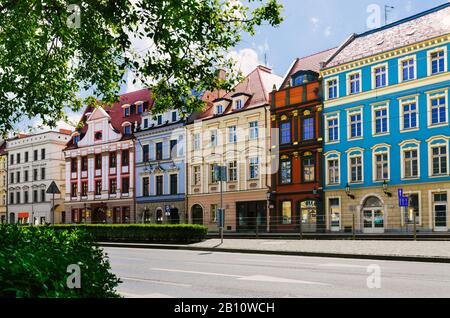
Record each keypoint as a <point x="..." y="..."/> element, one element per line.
<point x="53" y="209"/>
<point x="222" y="221"/>
<point x="53" y="189"/>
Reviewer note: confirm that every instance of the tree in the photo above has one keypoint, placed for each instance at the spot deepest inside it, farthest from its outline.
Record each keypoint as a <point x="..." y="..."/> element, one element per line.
<point x="52" y="49"/>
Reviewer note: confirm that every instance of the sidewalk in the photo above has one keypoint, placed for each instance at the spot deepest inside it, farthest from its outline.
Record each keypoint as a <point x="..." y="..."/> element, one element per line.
<point x="421" y="251"/>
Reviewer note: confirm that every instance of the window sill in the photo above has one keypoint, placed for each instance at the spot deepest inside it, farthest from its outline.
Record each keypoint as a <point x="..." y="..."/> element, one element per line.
<point x="381" y="135"/>
<point x="355" y="139"/>
<point x="439" y="176"/>
<point x="409" y="130"/>
<point x="438" y="125"/>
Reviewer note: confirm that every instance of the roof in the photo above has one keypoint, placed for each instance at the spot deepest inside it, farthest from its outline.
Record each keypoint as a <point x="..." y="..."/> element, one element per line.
<point x="116" y="112"/>
<point x="257" y="85"/>
<point x="308" y="63"/>
<point x="420" y="27"/>
<point x="2" y="147"/>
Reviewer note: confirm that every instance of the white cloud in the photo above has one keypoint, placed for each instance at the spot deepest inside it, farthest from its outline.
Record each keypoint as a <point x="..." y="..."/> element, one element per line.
<point x="327" y="31"/>
<point x="246" y="60"/>
<point x="409" y="6"/>
<point x="315" y="22"/>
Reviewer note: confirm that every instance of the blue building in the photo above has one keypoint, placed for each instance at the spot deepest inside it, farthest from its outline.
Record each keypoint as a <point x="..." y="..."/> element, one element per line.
<point x="160" y="168"/>
<point x="387" y="127"/>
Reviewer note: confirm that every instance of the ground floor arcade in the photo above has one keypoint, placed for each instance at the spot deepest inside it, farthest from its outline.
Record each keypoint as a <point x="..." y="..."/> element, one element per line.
<point x="108" y="212"/>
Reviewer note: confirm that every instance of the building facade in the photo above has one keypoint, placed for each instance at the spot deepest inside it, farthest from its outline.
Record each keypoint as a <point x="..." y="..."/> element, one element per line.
<point x="3" y="182"/>
<point x="297" y="144"/>
<point x="160" y="168"/>
<point x="387" y="127"/>
<point x="233" y="131"/>
<point x="34" y="162"/>
<point x="100" y="162"/>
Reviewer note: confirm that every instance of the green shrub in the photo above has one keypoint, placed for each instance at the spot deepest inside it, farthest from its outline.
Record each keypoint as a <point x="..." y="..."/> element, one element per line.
<point x="34" y="262"/>
<point x="179" y="233"/>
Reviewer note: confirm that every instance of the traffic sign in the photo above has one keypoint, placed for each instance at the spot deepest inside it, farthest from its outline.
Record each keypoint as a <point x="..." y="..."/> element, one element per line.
<point x="221" y="218"/>
<point x="220" y="173"/>
<point x="53" y="189"/>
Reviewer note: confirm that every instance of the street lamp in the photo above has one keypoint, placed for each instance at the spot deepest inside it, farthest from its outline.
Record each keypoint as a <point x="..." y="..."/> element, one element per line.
<point x="385" y="189"/>
<point x="347" y="191"/>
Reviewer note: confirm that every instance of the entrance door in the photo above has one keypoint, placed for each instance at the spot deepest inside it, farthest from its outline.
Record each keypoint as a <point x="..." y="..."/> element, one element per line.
<point x="373" y="220"/>
<point x="335" y="215"/>
<point x="251" y="214"/>
<point x="440" y="217"/>
<point x="197" y="214"/>
<point x="99" y="216"/>
<point x="308" y="216"/>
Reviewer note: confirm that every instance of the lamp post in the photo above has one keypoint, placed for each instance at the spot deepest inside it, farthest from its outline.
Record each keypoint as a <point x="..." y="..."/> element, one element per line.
<point x="347" y="191"/>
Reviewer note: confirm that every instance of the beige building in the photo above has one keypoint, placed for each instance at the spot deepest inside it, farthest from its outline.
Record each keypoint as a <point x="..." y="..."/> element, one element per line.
<point x="3" y="182"/>
<point x="233" y="132"/>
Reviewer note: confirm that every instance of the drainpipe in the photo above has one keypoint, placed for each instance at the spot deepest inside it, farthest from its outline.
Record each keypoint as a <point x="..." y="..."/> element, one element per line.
<point x="269" y="188"/>
<point x="7" y="192"/>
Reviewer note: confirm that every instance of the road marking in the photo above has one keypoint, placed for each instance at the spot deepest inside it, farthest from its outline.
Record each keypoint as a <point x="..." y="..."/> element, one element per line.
<point x="256" y="278"/>
<point x="144" y="280"/>
<point x="341" y="265"/>
<point x="267" y="261"/>
<point x="154" y="295"/>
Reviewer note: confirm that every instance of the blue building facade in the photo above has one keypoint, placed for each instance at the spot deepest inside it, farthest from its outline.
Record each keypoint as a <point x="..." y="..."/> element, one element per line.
<point x="386" y="127"/>
<point x="160" y="169"/>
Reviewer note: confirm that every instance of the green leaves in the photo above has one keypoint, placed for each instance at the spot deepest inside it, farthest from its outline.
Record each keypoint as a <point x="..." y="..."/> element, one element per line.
<point x="45" y="62"/>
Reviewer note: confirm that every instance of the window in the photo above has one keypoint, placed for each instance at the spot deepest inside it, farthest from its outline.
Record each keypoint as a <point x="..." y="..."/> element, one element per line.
<point x="308" y="128"/>
<point x="285" y="133"/>
<point x="159" y="185"/>
<point x="84" y="189"/>
<point x="381" y="120"/>
<point x="11" y="159"/>
<point x="98" y="135"/>
<point x="18" y="176"/>
<point x="410" y="115"/>
<point x="356" y="169"/>
<point x="173" y="184"/>
<point x="73" y="190"/>
<point x="98" y="187"/>
<point x="212" y="174"/>
<point x="214" y="210"/>
<point x="254" y="130"/>
<point x="26" y="199"/>
<point x="354" y="81"/>
<point x="125" y="158"/>
<point x="42" y="173"/>
<point x="159" y="119"/>
<point x="126" y="111"/>
<point x="219" y="109"/>
<point x="112" y="159"/>
<point x="145" y="153"/>
<point x="25" y="176"/>
<point x="35" y="174"/>
<point x="254" y="168"/>
<point x="112" y="186"/>
<point x="173" y="148"/>
<point x="438" y="110"/>
<point x="18" y="158"/>
<point x="11" y="198"/>
<point x="127" y="130"/>
<point x="232" y="137"/>
<point x="43" y="198"/>
<point x="332" y="88"/>
<point x="98" y="162"/>
<point x="140" y="109"/>
<point x="73" y="165"/>
<point x="408" y="69"/>
<point x="145" y="123"/>
<point x="197" y="141"/>
<point x="333" y="129"/>
<point x="197" y="176"/>
<point x="411" y="163"/>
<point x="84" y="163"/>
<point x="213" y="138"/>
<point x="440" y="209"/>
<point x="437" y="61"/>
<point x="355" y="126"/>
<point x="232" y="171"/>
<point x="26" y="156"/>
<point x="414" y="208"/>
<point x="238" y="104"/>
<point x="333" y="171"/>
<point x="286" y="208"/>
<point x="18" y="199"/>
<point x="35" y="155"/>
<point x="174" y="116"/>
<point x="76" y="139"/>
<point x="308" y="169"/>
<point x="380" y="76"/>
<point x="381" y="167"/>
<point x="11" y="178"/>
<point x="286" y="171"/>
<point x="125" y="185"/>
<point x="159" y="151"/>
<point x="145" y="186"/>
<point x="35" y="196"/>
<point x="439" y="159"/>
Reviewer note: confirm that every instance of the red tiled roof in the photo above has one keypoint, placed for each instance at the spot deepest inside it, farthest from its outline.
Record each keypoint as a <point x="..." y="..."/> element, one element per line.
<point x="426" y="25"/>
<point x="308" y="63"/>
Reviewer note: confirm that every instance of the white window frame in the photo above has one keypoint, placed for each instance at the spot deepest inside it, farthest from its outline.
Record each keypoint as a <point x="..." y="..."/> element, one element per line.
<point x="232" y="134"/>
<point x="194" y="174"/>
<point x="400" y="68"/>
<point x="434" y="95"/>
<point x="237" y="102"/>
<point x="254" y="131"/>
<point x="407" y="101"/>
<point x="360" y="153"/>
<point x="402" y="158"/>
<point x="429" y="62"/>
<point x="328" y="157"/>
<point x="235" y="164"/>
<point x="250" y="163"/>
<point x="349" y="86"/>
<point x="376" y="151"/>
<point x="327" y="131"/>
<point x="213" y="141"/>
<point x="197" y="141"/>
<point x="375" y="108"/>
<point x="351" y="112"/>
<point x="219" y="106"/>
<point x="430" y="155"/>
<point x="327" y="87"/>
<point x="374" y="75"/>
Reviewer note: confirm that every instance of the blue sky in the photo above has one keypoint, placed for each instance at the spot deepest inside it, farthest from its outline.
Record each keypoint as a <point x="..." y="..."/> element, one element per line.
<point x="310" y="26"/>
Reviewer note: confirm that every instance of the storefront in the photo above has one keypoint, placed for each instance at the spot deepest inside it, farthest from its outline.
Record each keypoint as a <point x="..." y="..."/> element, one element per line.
<point x="250" y="215"/>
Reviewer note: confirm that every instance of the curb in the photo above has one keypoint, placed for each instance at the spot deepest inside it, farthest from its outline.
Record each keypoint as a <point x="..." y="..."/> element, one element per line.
<point x="421" y="259"/>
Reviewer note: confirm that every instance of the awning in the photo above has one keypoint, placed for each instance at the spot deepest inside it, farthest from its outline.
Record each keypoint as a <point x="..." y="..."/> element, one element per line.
<point x="23" y="215"/>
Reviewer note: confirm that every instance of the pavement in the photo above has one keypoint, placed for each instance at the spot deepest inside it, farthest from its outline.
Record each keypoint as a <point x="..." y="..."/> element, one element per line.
<point x="156" y="273"/>
<point x="417" y="251"/>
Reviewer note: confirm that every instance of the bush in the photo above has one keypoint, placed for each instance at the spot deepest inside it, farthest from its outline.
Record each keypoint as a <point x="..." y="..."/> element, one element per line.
<point x="179" y="233"/>
<point x="34" y="262"/>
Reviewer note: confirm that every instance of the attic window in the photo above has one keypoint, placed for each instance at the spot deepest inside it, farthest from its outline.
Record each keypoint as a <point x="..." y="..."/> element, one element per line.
<point x="126" y="111"/>
<point x="127" y="130"/>
<point x="219" y="109"/>
<point x="76" y="139"/>
<point x="238" y="104"/>
<point x="98" y="135"/>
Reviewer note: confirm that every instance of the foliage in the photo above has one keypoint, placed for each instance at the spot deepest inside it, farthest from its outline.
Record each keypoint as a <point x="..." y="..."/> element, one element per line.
<point x="34" y="261"/>
<point x="179" y="233"/>
<point x="46" y="57"/>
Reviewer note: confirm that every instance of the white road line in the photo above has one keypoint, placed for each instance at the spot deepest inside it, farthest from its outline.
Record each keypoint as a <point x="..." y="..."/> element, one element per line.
<point x="341" y="265"/>
<point x="154" y="295"/>
<point x="143" y="280"/>
<point x="194" y="272"/>
<point x="282" y="262"/>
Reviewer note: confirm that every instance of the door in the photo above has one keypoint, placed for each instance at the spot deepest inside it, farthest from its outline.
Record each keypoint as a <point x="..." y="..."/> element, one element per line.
<point x="308" y="216"/>
<point x="373" y="220"/>
<point x="440" y="217"/>
<point x="335" y="215"/>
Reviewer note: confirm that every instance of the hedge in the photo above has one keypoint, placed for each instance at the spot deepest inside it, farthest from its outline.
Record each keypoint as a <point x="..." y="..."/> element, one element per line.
<point x="34" y="263"/>
<point x="179" y="233"/>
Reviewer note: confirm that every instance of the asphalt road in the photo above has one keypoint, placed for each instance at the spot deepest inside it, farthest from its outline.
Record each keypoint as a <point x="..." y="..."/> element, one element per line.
<point x="150" y="273"/>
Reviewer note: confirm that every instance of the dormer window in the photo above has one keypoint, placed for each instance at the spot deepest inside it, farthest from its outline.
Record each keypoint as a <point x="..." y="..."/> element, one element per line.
<point x="219" y="109"/>
<point x="126" y="111"/>
<point x="98" y="136"/>
<point x="174" y="116"/>
<point x="145" y="123"/>
<point x="140" y="108"/>
<point x="303" y="77"/>
<point x="76" y="139"/>
<point x="239" y="104"/>
<point x="159" y="119"/>
<point x="126" y="128"/>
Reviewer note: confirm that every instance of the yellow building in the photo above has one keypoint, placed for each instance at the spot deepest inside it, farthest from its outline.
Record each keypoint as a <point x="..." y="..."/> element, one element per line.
<point x="3" y="182"/>
<point x="233" y="132"/>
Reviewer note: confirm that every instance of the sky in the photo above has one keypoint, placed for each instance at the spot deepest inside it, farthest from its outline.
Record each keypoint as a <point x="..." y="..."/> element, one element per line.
<point x="309" y="26"/>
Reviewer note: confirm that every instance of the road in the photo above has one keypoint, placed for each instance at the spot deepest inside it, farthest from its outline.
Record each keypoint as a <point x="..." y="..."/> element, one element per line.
<point x="148" y="273"/>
